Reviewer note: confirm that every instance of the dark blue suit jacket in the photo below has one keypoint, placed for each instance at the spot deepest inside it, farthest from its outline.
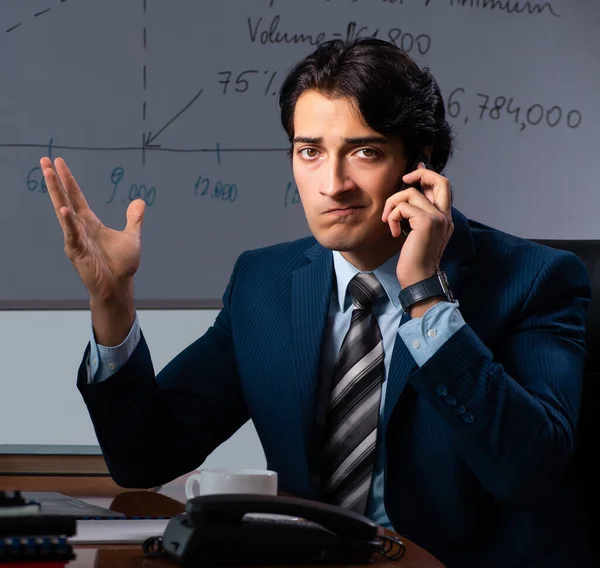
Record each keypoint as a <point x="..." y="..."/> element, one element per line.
<point x="478" y="439"/>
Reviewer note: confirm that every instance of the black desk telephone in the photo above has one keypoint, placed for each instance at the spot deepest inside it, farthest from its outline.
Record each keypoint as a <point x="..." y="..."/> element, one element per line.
<point x="263" y="529"/>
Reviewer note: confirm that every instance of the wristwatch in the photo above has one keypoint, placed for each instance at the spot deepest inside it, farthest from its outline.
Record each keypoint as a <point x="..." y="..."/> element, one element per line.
<point x="436" y="285"/>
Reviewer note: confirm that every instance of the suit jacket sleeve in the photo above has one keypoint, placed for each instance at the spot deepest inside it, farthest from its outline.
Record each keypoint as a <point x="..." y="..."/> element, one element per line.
<point x="155" y="428"/>
<point x="514" y="412"/>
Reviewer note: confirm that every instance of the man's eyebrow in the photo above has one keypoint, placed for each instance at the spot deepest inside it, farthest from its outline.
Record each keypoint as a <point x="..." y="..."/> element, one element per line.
<point x="354" y="141"/>
<point x="307" y="140"/>
<point x="367" y="140"/>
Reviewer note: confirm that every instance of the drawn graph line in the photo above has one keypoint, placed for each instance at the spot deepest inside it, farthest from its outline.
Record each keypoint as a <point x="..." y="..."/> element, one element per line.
<point x="218" y="149"/>
<point x="36" y="15"/>
<point x="148" y="137"/>
<point x="145" y="70"/>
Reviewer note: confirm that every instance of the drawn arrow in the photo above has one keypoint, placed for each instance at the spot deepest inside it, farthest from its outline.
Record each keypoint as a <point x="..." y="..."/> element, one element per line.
<point x="149" y="137"/>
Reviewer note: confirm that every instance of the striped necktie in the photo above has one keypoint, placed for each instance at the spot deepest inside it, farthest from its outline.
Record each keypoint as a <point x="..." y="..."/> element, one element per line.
<point x="353" y="411"/>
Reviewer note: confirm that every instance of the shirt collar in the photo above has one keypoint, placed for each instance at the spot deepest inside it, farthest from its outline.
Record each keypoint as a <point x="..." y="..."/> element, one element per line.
<point x="386" y="274"/>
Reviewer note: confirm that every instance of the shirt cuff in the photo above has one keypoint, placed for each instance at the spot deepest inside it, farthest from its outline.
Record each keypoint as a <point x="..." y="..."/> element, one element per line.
<point x="424" y="336"/>
<point x="106" y="361"/>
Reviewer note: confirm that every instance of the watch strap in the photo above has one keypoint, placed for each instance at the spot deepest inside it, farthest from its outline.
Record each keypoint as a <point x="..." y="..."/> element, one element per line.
<point x="431" y="287"/>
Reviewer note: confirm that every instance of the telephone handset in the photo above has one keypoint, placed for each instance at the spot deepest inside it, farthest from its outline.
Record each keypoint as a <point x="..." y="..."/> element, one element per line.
<point x="404" y="224"/>
<point x="267" y="529"/>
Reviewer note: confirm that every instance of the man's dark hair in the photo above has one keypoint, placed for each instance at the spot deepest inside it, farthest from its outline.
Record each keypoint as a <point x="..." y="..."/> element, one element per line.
<point x="394" y="96"/>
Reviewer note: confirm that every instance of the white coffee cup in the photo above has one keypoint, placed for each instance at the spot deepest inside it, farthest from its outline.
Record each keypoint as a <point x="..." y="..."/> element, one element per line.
<point x="218" y="480"/>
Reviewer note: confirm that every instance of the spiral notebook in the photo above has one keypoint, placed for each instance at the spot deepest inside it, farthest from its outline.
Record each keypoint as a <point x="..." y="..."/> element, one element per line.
<point x="97" y="524"/>
<point x="60" y="504"/>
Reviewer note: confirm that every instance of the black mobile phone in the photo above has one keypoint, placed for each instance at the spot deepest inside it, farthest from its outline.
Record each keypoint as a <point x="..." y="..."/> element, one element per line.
<point x="404" y="224"/>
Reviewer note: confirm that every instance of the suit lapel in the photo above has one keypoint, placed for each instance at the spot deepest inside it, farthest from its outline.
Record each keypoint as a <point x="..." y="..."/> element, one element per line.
<point x="311" y="291"/>
<point x="458" y="254"/>
<point x="401" y="366"/>
<point x="455" y="262"/>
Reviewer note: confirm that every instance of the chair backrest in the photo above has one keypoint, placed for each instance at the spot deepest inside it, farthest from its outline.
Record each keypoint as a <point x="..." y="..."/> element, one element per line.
<point x="584" y="466"/>
<point x="589" y="253"/>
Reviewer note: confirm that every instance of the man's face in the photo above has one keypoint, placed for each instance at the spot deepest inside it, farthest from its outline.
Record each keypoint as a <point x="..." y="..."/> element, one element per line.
<point x="345" y="171"/>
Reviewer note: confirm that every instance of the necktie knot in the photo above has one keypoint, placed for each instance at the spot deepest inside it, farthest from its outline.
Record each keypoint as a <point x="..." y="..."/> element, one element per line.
<point x="365" y="290"/>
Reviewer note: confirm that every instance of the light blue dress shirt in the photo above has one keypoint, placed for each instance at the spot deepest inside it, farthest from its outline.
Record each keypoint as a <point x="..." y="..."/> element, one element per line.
<point x="422" y="336"/>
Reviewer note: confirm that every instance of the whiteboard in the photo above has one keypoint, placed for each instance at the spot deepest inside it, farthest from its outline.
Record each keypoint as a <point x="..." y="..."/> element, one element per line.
<point x="175" y="102"/>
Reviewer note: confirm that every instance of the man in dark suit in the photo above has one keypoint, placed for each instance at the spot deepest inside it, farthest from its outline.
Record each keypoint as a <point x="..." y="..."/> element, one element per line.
<point x="404" y="362"/>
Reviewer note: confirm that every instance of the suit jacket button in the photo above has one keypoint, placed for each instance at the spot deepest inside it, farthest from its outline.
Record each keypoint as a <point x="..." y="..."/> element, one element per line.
<point x="468" y="418"/>
<point x="460" y="409"/>
<point x="442" y="390"/>
<point x="451" y="400"/>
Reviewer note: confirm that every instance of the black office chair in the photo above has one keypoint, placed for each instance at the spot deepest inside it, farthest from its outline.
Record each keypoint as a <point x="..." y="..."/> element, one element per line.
<point x="583" y="466"/>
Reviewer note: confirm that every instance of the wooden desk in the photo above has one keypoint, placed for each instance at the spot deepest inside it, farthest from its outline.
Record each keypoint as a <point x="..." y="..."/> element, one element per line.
<point x="168" y="500"/>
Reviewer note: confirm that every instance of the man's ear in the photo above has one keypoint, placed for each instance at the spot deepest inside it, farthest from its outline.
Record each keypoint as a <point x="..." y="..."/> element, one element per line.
<point x="427" y="151"/>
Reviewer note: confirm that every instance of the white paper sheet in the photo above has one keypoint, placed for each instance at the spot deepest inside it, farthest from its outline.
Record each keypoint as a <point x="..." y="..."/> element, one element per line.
<point x="120" y="531"/>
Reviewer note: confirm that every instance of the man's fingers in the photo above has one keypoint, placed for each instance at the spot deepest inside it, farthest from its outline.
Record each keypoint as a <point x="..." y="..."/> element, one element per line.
<point x="57" y="195"/>
<point x="66" y="217"/>
<point x="403" y="210"/>
<point x="423" y="175"/>
<point x="417" y="217"/>
<point x="135" y="216"/>
<point x="410" y="195"/>
<point x="62" y="206"/>
<point x="431" y="180"/>
<point x="72" y="189"/>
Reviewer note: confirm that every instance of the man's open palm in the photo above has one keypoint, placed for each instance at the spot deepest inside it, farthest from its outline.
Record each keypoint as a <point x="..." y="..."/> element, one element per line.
<point x="106" y="260"/>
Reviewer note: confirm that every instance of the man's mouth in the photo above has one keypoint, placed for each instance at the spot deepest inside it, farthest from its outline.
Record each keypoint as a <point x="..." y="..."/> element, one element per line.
<point x="343" y="211"/>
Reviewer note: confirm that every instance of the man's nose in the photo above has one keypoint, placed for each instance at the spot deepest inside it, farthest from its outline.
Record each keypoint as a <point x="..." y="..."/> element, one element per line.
<point x="337" y="179"/>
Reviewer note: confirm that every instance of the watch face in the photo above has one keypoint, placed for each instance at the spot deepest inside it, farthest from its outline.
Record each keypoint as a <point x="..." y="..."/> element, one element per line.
<point x="445" y="285"/>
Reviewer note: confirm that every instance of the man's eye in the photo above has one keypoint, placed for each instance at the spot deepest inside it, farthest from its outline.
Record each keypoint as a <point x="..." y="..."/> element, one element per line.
<point x="368" y="153"/>
<point x="309" y="153"/>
